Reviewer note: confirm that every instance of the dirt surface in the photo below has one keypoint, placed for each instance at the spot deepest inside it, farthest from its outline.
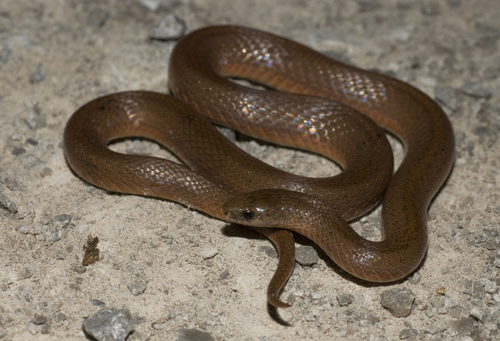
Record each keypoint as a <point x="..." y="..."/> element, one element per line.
<point x="204" y="280"/>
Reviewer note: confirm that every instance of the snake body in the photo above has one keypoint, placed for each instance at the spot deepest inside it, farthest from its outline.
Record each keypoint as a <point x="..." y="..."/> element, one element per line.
<point x="219" y="179"/>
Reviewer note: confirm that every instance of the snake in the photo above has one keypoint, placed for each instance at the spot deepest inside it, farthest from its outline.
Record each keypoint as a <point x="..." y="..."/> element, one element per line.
<point x="311" y="102"/>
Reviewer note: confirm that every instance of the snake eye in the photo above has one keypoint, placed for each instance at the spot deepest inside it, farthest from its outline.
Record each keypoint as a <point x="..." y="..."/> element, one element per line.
<point x="247" y="215"/>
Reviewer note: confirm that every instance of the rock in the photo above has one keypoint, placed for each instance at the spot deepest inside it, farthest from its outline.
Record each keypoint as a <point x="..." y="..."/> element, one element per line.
<point x="136" y="288"/>
<point x="478" y="314"/>
<point x="109" y="325"/>
<point x="51" y="235"/>
<point x="32" y="328"/>
<point x="398" y="301"/>
<point x="8" y="204"/>
<point x="169" y="28"/>
<point x="269" y="250"/>
<point x="306" y="255"/>
<point x="345" y="300"/>
<point x="39" y="319"/>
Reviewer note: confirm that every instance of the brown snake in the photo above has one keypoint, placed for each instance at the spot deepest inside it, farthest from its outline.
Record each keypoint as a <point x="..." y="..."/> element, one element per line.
<point x="222" y="181"/>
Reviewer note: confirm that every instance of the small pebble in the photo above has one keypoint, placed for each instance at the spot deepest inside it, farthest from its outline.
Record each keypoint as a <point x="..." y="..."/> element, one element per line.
<point x="97" y="18"/>
<point x="79" y="269"/>
<point x="45" y="329"/>
<point x="408" y="334"/>
<point x="454" y="3"/>
<point x="269" y="250"/>
<point x="432" y="329"/>
<point x="24" y="273"/>
<point x="3" y="333"/>
<point x="26" y="293"/>
<point x="224" y="274"/>
<point x="193" y="335"/>
<point x="477" y="290"/>
<point x="437" y="301"/>
<point x="30" y="229"/>
<point x="136" y="288"/>
<point x="51" y="235"/>
<point x="35" y="120"/>
<point x="8" y="204"/>
<point x="18" y="151"/>
<point x="37" y="76"/>
<point x="306" y="255"/>
<point x="5" y="54"/>
<point x="490" y="287"/>
<point x="475" y="90"/>
<point x="31" y="141"/>
<point x="398" y="301"/>
<point x="401" y="34"/>
<point x="478" y="314"/>
<point x="152" y="5"/>
<point x="97" y="303"/>
<point x="39" y="319"/>
<point x="32" y="328"/>
<point x="456" y="311"/>
<point x="370" y="317"/>
<point x="169" y="28"/>
<point x="63" y="219"/>
<point x="11" y="184"/>
<point x="345" y="300"/>
<point x="109" y="325"/>
<point x="61" y="254"/>
<point x="415" y="278"/>
<point x="84" y="313"/>
<point x="46" y="171"/>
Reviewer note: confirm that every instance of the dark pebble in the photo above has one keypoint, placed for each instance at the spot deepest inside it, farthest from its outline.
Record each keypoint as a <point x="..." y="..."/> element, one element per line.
<point x="97" y="303"/>
<point x="18" y="151"/>
<point x="39" y="319"/>
<point x="31" y="141"/>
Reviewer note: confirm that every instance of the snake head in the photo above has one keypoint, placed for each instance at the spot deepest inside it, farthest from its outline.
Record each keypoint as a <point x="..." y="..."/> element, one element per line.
<point x="262" y="208"/>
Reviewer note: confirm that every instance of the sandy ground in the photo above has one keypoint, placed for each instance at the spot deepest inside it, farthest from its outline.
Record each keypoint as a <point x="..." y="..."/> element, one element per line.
<point x="197" y="272"/>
